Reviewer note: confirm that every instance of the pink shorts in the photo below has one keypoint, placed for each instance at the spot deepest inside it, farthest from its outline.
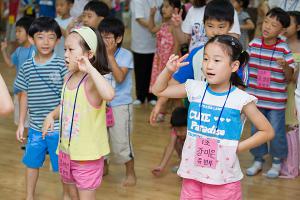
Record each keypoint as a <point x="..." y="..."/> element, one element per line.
<point x="195" y="190"/>
<point x="86" y="175"/>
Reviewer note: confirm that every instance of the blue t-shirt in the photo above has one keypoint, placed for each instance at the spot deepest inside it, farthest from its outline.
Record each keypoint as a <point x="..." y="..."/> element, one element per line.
<point x="43" y="84"/>
<point x="187" y="72"/>
<point x="123" y="96"/>
<point x="18" y="58"/>
<point x="46" y="8"/>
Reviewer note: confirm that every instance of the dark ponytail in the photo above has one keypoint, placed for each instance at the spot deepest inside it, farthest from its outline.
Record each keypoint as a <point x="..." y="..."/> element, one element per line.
<point x="235" y="50"/>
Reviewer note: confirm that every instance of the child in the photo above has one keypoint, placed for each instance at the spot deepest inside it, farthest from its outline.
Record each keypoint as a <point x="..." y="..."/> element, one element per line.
<point x="24" y="52"/>
<point x="178" y="134"/>
<point x="209" y="165"/>
<point x="193" y="70"/>
<point x="6" y="104"/>
<point x="293" y="39"/>
<point x="270" y="69"/>
<point x="192" y="30"/>
<point x="40" y="79"/>
<point x="121" y="62"/>
<point x="245" y="21"/>
<point x="143" y="47"/>
<point x="166" y="44"/>
<point x="83" y="138"/>
<point x="94" y="12"/>
<point x="63" y="19"/>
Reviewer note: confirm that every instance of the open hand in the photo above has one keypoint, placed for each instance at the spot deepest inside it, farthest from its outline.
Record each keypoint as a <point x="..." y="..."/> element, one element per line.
<point x="111" y="46"/>
<point x="175" y="62"/>
<point x="84" y="64"/>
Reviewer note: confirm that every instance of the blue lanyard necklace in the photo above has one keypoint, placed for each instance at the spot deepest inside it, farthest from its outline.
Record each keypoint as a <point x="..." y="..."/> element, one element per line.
<point x="221" y="109"/>
<point x="273" y="51"/>
<point x="74" y="106"/>
<point x="117" y="52"/>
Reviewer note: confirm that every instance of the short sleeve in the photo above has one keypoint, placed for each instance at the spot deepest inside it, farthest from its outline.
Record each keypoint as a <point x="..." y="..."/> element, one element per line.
<point x="63" y="72"/>
<point x="14" y="57"/>
<point x="139" y="10"/>
<point x="194" y="88"/>
<point x="21" y="82"/>
<point x="249" y="98"/>
<point x="236" y="25"/>
<point x="288" y="56"/>
<point x="186" y="72"/>
<point x="186" y="25"/>
<point x="126" y="60"/>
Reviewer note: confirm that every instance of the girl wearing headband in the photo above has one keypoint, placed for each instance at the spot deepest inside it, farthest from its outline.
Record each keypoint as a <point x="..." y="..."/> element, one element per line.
<point x="83" y="136"/>
<point x="209" y="165"/>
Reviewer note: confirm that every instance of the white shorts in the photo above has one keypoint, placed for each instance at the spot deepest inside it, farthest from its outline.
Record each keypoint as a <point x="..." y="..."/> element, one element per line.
<point x="120" y="134"/>
<point x="17" y="113"/>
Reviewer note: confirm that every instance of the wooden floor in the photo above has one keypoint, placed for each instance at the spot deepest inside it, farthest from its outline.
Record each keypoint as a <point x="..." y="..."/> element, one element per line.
<point x="149" y="143"/>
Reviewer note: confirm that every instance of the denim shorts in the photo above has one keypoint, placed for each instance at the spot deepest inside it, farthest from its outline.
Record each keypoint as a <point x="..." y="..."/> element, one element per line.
<point x="37" y="147"/>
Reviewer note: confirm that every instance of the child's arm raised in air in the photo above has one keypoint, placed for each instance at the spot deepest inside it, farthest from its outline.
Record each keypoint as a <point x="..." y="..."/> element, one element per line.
<point x="161" y="87"/>
<point x="5" y="55"/>
<point x="6" y="104"/>
<point x="264" y="132"/>
<point x="99" y="89"/>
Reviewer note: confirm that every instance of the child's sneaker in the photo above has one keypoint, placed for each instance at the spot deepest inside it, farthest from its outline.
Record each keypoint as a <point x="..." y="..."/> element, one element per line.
<point x="137" y="102"/>
<point x="254" y="169"/>
<point x="152" y="102"/>
<point x="274" y="171"/>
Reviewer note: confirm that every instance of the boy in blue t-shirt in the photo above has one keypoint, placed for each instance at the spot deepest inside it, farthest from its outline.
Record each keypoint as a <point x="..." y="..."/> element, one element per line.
<point x="19" y="56"/>
<point x="218" y="20"/>
<point x="46" y="8"/>
<point x="40" y="80"/>
<point x="121" y="63"/>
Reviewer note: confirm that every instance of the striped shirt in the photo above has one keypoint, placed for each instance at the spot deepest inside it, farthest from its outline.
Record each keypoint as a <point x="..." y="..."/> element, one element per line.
<point x="42" y="83"/>
<point x="266" y="78"/>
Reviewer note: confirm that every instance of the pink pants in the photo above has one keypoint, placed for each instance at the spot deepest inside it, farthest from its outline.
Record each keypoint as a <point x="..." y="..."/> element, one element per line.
<point x="195" y="190"/>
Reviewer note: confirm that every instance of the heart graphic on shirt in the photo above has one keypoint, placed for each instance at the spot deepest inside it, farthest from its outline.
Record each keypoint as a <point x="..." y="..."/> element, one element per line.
<point x="222" y="119"/>
<point x="228" y="120"/>
<point x="216" y="118"/>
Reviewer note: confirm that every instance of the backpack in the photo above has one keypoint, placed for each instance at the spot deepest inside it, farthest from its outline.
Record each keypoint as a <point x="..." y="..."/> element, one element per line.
<point x="290" y="165"/>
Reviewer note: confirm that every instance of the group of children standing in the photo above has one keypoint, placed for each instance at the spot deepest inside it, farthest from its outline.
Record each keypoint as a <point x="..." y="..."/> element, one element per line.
<point x="75" y="79"/>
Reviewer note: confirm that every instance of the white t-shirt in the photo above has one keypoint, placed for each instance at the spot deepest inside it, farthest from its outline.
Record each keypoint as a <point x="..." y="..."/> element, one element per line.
<point x="287" y="5"/>
<point x="209" y="151"/>
<point x="77" y="8"/>
<point x="142" y="40"/>
<point x="194" y="26"/>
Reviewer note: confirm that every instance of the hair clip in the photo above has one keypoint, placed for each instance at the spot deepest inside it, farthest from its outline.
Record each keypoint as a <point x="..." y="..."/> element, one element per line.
<point x="233" y="43"/>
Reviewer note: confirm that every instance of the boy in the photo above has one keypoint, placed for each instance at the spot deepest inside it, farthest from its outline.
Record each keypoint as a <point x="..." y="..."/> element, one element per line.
<point x="40" y="80"/>
<point x="94" y="12"/>
<point x="214" y="24"/>
<point x="63" y="19"/>
<point x="121" y="63"/>
<point x="270" y="69"/>
<point x="19" y="56"/>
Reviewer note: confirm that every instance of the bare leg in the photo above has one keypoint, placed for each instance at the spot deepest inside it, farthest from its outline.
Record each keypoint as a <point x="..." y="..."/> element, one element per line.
<point x="73" y="192"/>
<point x="130" y="179"/>
<point x="87" y="194"/>
<point x="31" y="180"/>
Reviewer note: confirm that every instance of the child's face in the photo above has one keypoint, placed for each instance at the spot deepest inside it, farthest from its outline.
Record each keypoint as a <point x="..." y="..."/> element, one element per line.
<point x="91" y="19"/>
<point x="167" y="10"/>
<point x="271" y="28"/>
<point x="45" y="42"/>
<point x="292" y="29"/>
<point x="63" y="7"/>
<point x="21" y="35"/>
<point x="109" y="38"/>
<point x="73" y="51"/>
<point x="214" y="27"/>
<point x="217" y="65"/>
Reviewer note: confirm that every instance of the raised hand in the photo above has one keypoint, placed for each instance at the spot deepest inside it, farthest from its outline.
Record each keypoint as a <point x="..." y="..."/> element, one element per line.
<point x="153" y="11"/>
<point x="175" y="62"/>
<point x="177" y="17"/>
<point x="84" y="64"/>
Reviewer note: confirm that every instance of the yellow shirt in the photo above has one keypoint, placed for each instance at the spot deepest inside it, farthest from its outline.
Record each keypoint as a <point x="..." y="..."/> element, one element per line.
<point x="89" y="140"/>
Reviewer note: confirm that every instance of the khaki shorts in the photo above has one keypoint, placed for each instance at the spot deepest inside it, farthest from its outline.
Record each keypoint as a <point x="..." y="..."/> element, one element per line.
<point x="120" y="134"/>
<point x="17" y="113"/>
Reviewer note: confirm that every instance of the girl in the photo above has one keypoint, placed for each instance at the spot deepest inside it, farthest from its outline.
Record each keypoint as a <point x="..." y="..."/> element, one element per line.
<point x="6" y="104"/>
<point x="83" y="139"/>
<point x="209" y="166"/>
<point x="293" y="35"/>
<point x="166" y="44"/>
